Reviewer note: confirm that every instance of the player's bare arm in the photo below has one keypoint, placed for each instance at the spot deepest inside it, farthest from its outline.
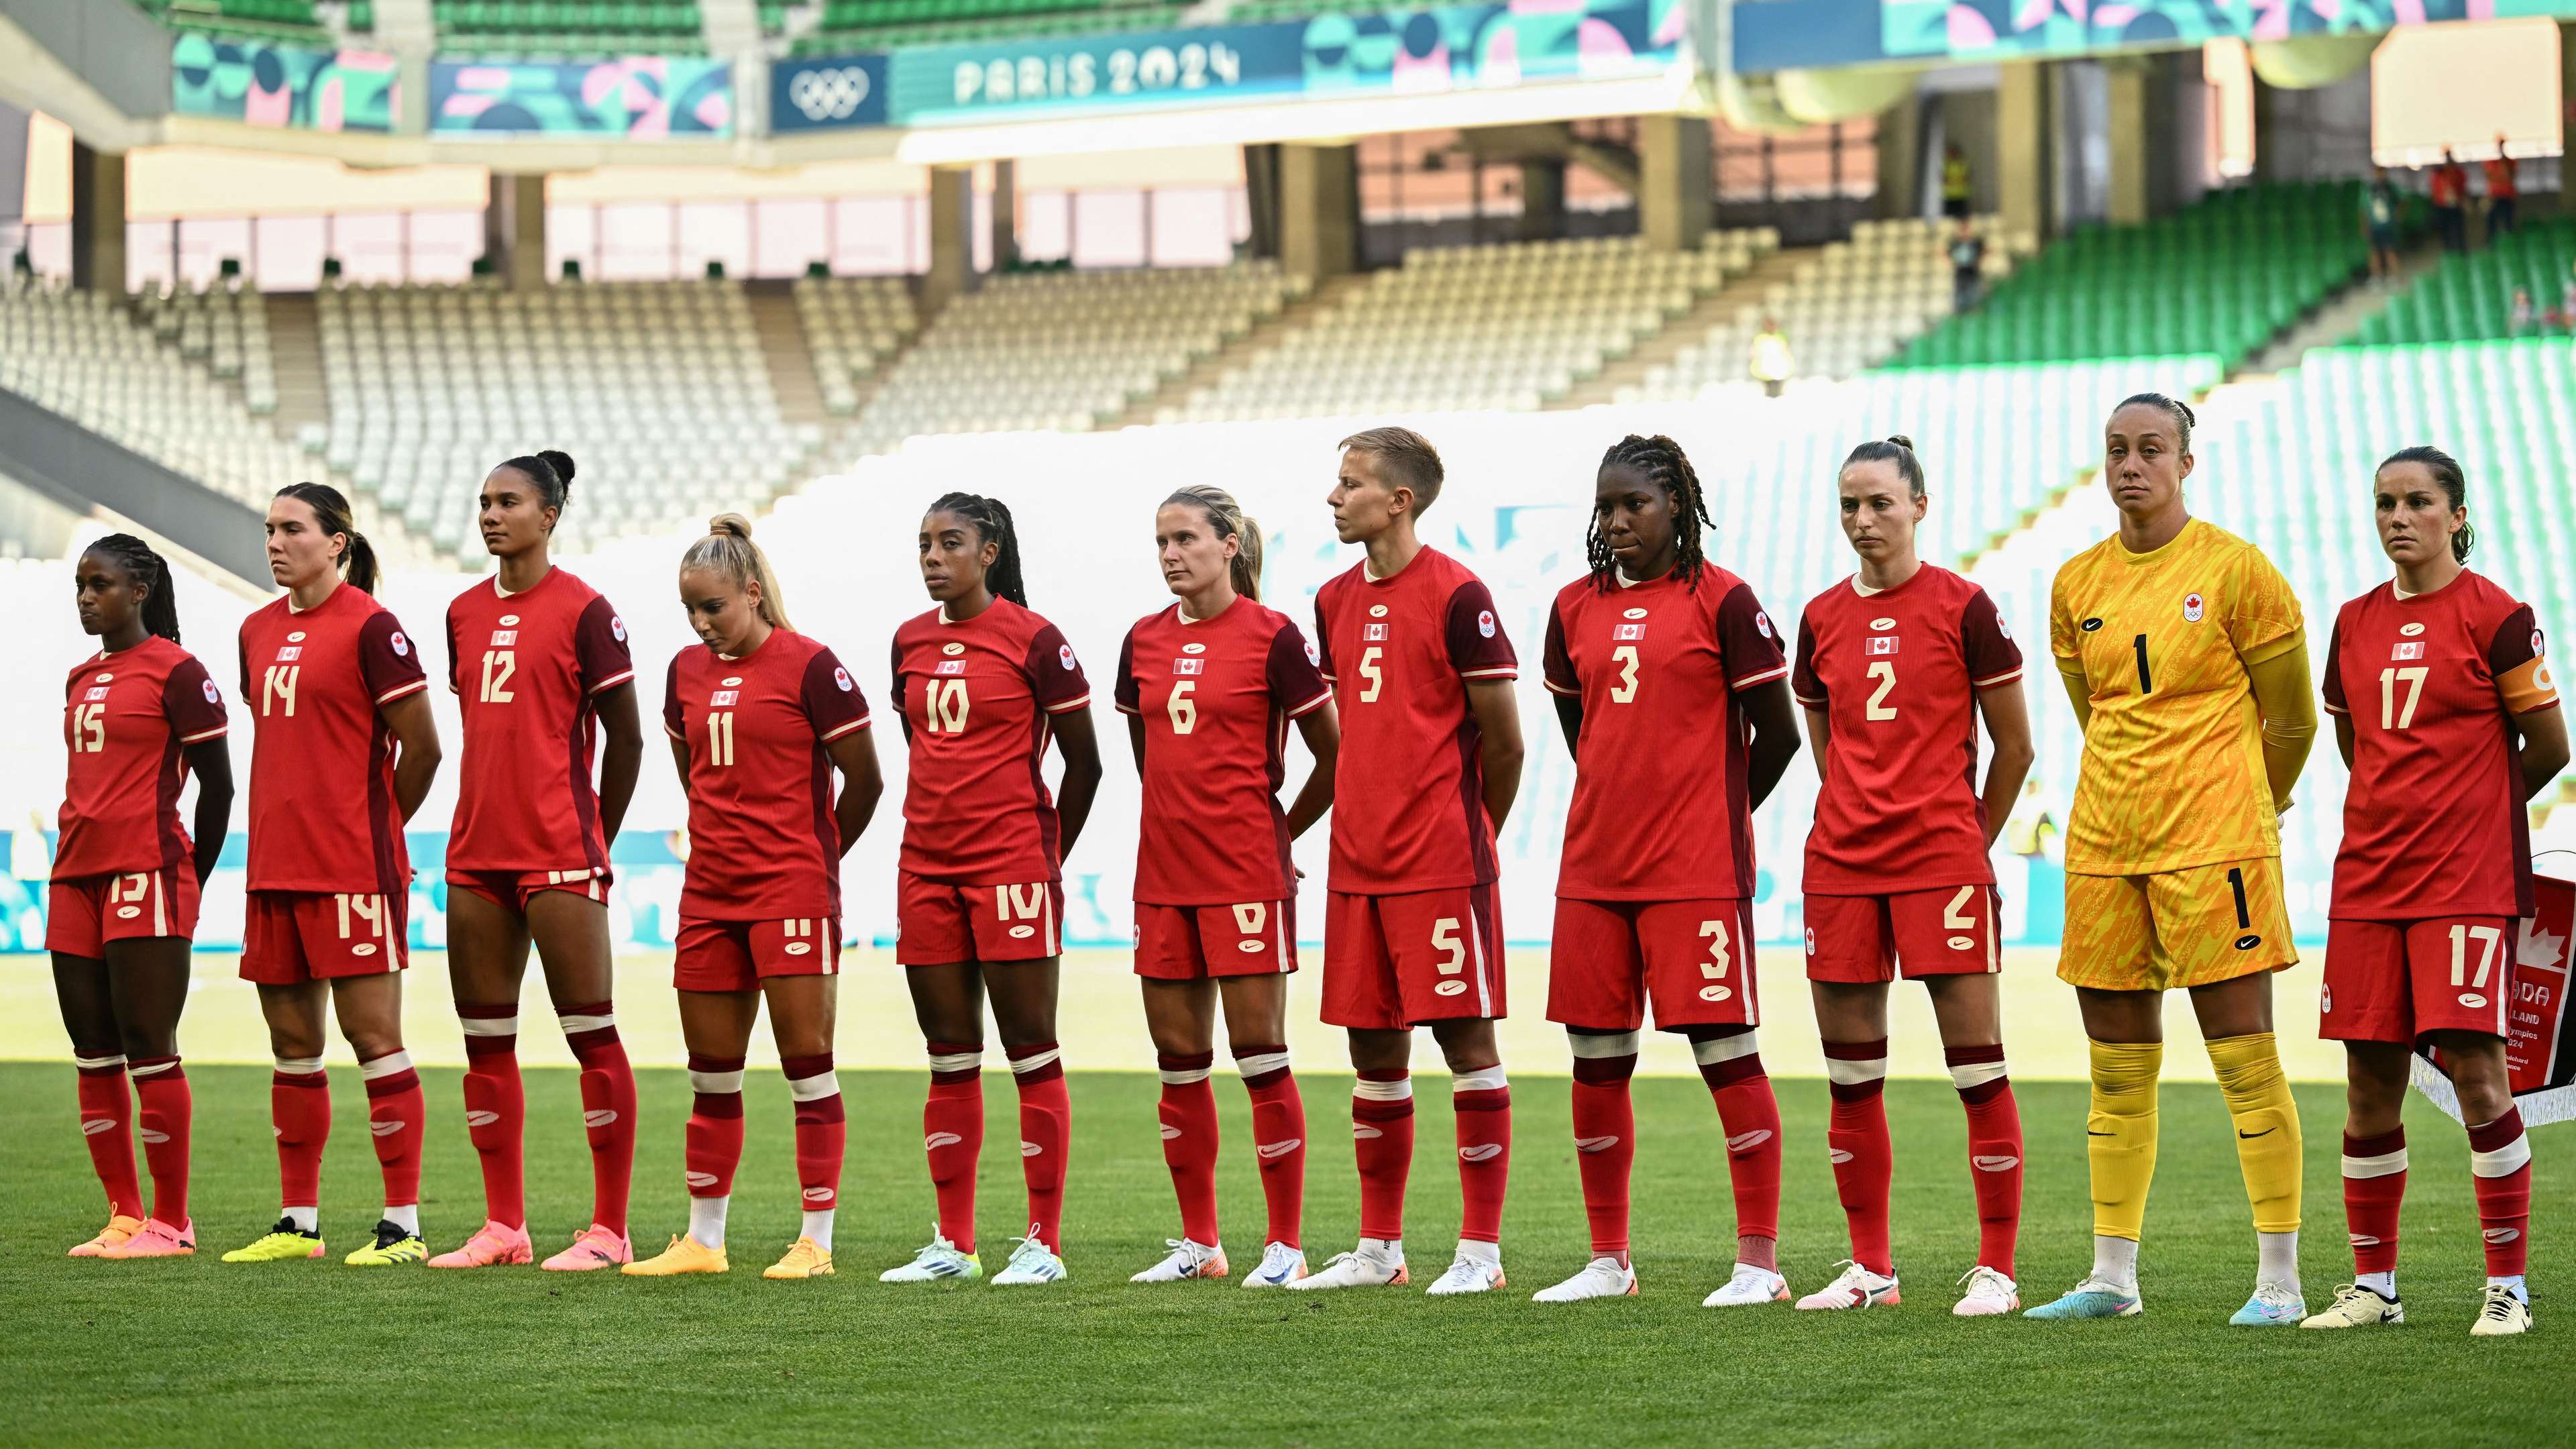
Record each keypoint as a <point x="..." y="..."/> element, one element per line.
<point x="417" y="764"/>
<point x="1820" y="737"/>
<point x="1079" y="747"/>
<point x="621" y="755"/>
<point x="1498" y="720"/>
<point x="1773" y="718"/>
<point x="1321" y="729"/>
<point x="212" y="764"/>
<point x="862" y="784"/>
<point x="2009" y="751"/>
<point x="2543" y="752"/>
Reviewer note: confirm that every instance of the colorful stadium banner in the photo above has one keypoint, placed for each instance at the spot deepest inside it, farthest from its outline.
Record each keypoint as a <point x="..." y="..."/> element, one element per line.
<point x="1775" y="35"/>
<point x="260" y="83"/>
<point x="638" y="97"/>
<point x="1397" y="52"/>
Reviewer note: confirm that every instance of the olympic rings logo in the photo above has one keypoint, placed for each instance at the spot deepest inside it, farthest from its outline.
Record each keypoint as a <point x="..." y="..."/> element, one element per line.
<point x="829" y="95"/>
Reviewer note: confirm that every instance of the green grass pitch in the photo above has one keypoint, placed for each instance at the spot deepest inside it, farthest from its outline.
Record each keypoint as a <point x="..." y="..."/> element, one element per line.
<point x="198" y="1352"/>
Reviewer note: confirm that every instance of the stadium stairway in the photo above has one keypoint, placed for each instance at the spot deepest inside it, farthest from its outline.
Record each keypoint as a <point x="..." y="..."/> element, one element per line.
<point x="1165" y="403"/>
<point x="1713" y="311"/>
<point x="2340" y="317"/>
<point x="787" y="351"/>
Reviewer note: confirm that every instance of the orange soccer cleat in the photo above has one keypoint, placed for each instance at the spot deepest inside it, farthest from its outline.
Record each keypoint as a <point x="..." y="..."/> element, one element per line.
<point x="118" y="1229"/>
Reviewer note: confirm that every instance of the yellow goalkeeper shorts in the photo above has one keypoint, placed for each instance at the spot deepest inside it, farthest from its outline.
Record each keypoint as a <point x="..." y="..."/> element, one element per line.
<point x="2179" y="928"/>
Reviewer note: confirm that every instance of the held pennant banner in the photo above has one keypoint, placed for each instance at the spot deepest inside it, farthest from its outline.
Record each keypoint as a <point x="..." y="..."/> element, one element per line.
<point x="2540" y="1035"/>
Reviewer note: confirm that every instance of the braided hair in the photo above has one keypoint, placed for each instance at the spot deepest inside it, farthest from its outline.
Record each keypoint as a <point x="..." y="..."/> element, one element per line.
<point x="152" y="571"/>
<point x="993" y="525"/>
<point x="1661" y="459"/>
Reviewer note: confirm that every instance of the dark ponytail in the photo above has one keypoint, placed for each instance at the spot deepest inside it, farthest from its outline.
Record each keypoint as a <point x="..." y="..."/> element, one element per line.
<point x="1895" y="448"/>
<point x="2446" y="471"/>
<point x="152" y="571"/>
<point x="331" y="515"/>
<point x="992" y="522"/>
<point x="551" y="470"/>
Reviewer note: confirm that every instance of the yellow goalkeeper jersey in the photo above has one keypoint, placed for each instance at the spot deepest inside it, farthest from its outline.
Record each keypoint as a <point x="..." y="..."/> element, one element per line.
<point x="2173" y="754"/>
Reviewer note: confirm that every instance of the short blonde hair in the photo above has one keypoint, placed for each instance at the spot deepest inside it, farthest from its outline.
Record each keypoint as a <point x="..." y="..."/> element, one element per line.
<point x="1407" y="457"/>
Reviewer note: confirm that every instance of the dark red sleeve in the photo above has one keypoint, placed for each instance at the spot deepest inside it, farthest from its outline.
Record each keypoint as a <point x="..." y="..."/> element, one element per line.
<point x="455" y="664"/>
<point x="1556" y="664"/>
<point x="1126" y="691"/>
<point x="2519" y="658"/>
<point x="1323" y="641"/>
<point x="902" y="707"/>
<point x="388" y="659"/>
<point x="2334" y="670"/>
<point x="1055" y="676"/>
<point x="1478" y="648"/>
<point x="1746" y="641"/>
<point x="192" y="703"/>
<point x="673" y="723"/>
<point x="1295" y="686"/>
<point x="833" y="704"/>
<point x="599" y="648"/>
<point x="1993" y="657"/>
<point x="241" y="651"/>
<point x="1804" y="682"/>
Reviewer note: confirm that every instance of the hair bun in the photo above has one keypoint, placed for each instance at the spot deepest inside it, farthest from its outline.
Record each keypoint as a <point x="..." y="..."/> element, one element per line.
<point x="1902" y="441"/>
<point x="730" y="523"/>
<point x="560" y="461"/>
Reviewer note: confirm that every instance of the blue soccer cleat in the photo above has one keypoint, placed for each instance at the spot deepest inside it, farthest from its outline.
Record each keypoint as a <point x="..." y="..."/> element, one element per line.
<point x="2092" y="1298"/>
<point x="2272" y="1306"/>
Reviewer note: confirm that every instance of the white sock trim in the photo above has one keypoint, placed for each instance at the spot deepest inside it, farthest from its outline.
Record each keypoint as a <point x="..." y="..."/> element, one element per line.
<point x="1491" y="1079"/>
<point x="384" y="1066"/>
<point x="2505" y="1161"/>
<point x="1399" y="1090"/>
<point x="719" y="1084"/>
<point x="1589" y="1046"/>
<point x="299" y="1066"/>
<point x="814" y="1088"/>
<point x="489" y="1025"/>
<point x="92" y="1064"/>
<point x="1261" y="1063"/>
<point x="1189" y="1076"/>
<point x="1973" y="1074"/>
<point x="1852" y="1074"/>
<point x="956" y="1061"/>
<point x="1022" y="1066"/>
<point x="1723" y="1048"/>
<point x="150" y="1069"/>
<point x="601" y="1022"/>
<point x="2386" y="1164"/>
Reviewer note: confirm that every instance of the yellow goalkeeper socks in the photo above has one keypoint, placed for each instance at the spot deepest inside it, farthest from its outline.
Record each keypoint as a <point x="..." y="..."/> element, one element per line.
<point x="2267" y="1127"/>
<point x="2120" y="1134"/>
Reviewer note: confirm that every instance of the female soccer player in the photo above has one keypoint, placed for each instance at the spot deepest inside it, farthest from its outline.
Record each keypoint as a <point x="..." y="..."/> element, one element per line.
<point x="1895" y="664"/>
<point x="983" y="685"/>
<point x="1208" y="687"/>
<point x="1665" y="669"/>
<point x="539" y="664"/>
<point x="139" y="717"/>
<point x="2434" y="872"/>
<point x="759" y="717"/>
<point x="335" y="686"/>
<point x="2182" y="650"/>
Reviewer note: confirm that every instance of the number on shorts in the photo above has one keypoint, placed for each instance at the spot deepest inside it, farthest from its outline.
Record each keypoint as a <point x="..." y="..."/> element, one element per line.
<point x="2390" y="716"/>
<point x="1183" y="709"/>
<point x="1249" y="919"/>
<point x="1955" y="916"/>
<point x="368" y="909"/>
<point x="943" y="707"/>
<point x="1884" y="671"/>
<point x="1375" y="676"/>
<point x="720" y="738"/>
<point x="1626" y="689"/>
<point x="1009" y="904"/>
<point x="1720" y="956"/>
<point x="1444" y="937"/>
<point x="498" y="666"/>
<point x="2236" y="883"/>
<point x="2487" y="938"/>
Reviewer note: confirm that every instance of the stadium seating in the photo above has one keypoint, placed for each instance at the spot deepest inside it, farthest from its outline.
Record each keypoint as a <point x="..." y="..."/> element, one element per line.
<point x="569" y="27"/>
<point x="2468" y="297"/>
<point x="2223" y="276"/>
<point x="227" y="329"/>
<point x="852" y="326"/>
<point x="241" y="19"/>
<point x="1066" y="350"/>
<point x="658" y="390"/>
<point x="1850" y="308"/>
<point x="871" y="24"/>
<point x="1477" y="327"/>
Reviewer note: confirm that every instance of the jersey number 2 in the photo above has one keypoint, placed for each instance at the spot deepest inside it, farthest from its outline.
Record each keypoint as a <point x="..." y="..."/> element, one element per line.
<point x="1884" y="671"/>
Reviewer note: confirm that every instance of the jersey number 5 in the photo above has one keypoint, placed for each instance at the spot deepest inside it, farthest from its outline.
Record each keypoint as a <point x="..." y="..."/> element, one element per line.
<point x="498" y="666"/>
<point x="943" y="706"/>
<point x="1369" y="671"/>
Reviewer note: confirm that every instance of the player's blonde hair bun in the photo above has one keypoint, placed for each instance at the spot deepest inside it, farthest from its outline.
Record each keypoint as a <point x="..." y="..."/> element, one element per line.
<point x="728" y="550"/>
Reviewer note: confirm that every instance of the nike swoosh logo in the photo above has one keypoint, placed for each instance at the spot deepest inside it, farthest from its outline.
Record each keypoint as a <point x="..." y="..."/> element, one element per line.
<point x="2250" y="1136"/>
<point x="2089" y="1132"/>
<point x="1268" y="1150"/>
<point x="1595" y="1144"/>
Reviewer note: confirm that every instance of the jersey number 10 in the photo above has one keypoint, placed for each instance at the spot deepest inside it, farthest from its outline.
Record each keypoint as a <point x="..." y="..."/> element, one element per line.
<point x="943" y="706"/>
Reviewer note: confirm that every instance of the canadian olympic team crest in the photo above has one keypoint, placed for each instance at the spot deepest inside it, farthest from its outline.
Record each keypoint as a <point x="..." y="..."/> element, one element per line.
<point x="1762" y="621"/>
<point x="2192" y="608"/>
<point x="841" y="677"/>
<point x="617" y="628"/>
<point x="1314" y="655"/>
<point x="213" y="695"/>
<point x="829" y="94"/>
<point x="1485" y="623"/>
<point x="402" y="645"/>
<point x="1066" y="654"/>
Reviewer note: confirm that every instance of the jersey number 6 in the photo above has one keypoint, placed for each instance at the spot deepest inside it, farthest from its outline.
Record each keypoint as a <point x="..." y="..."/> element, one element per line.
<point x="1183" y="709"/>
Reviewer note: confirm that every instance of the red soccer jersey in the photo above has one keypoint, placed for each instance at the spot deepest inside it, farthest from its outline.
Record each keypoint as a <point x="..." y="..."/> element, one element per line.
<point x="525" y="668"/>
<point x="978" y="699"/>
<point x="1897" y="675"/>
<point x="1661" y="809"/>
<point x="127" y="718"/>
<point x="2433" y="821"/>
<point x="762" y="842"/>
<point x="322" y="814"/>
<point x="1216" y="696"/>
<point x="1409" y="811"/>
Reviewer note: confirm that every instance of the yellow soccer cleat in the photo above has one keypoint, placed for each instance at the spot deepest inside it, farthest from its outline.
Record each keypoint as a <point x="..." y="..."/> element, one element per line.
<point x="394" y="1246"/>
<point x="284" y="1242"/>
<point x="119" y="1228"/>
<point x="802" y="1261"/>
<point x="685" y="1255"/>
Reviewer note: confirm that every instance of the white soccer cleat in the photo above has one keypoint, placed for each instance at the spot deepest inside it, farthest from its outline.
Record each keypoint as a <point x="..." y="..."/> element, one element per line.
<point x="1186" y="1260"/>
<point x="1600" y="1278"/>
<point x="1468" y="1273"/>
<point x="1990" y="1294"/>
<point x="1749" y="1286"/>
<point x="1031" y="1262"/>
<point x="2501" y="1314"/>
<point x="2356" y="1307"/>
<point x="939" y="1259"/>
<point x="1281" y="1267"/>
<point x="1362" y="1267"/>
<point x="1857" y="1287"/>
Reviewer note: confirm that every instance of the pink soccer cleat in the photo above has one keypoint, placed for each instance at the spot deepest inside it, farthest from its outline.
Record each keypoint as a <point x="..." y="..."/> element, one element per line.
<point x="119" y="1228"/>
<point x="595" y="1248"/>
<point x="491" y="1246"/>
<point x="156" y="1239"/>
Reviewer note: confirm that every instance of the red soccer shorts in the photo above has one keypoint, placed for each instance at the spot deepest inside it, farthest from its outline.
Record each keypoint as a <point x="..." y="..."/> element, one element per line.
<point x="1947" y="931"/>
<point x="1193" y="943"/>
<point x="1692" y="959"/>
<point x="1393" y="962"/>
<point x="734" y="955"/>
<point x="939" y="924"/>
<point x="512" y="890"/>
<point x="295" y="936"/>
<point x="2397" y="980"/>
<point x="83" y="913"/>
